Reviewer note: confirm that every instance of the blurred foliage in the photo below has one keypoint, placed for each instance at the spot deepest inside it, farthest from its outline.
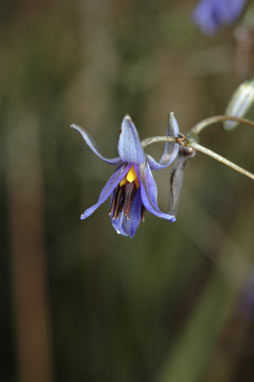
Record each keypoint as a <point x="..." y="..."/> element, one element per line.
<point x="174" y="303"/>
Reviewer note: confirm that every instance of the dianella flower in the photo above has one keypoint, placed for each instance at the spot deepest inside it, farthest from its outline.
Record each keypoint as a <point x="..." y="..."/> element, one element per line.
<point x="132" y="188"/>
<point x="210" y="15"/>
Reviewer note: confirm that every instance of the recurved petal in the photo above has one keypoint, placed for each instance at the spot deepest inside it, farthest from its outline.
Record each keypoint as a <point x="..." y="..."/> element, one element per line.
<point x="128" y="227"/>
<point x="149" y="192"/>
<point x="107" y="190"/>
<point x="129" y="145"/>
<point x="170" y="150"/>
<point x="93" y="146"/>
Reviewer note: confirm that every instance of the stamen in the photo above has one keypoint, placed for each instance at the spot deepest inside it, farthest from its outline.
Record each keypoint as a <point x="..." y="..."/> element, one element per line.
<point x="119" y="202"/>
<point x="123" y="182"/>
<point x="124" y="194"/>
<point x="113" y="202"/>
<point x="143" y="210"/>
<point x="130" y="192"/>
<point x="136" y="183"/>
<point x="131" y="176"/>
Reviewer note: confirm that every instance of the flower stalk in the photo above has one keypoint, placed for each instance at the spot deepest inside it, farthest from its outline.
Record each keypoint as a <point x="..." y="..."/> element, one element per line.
<point x="220" y="159"/>
<point x="191" y="143"/>
<point x="219" y="118"/>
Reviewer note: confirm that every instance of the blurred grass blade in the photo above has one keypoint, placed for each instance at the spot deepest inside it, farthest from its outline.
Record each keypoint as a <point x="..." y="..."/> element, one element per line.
<point x="192" y="352"/>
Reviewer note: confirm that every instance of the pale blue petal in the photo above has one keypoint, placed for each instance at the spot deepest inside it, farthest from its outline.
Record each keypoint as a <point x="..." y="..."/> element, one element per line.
<point x="149" y="191"/>
<point x="170" y="149"/>
<point x="107" y="190"/>
<point x="93" y="146"/>
<point x="132" y="224"/>
<point x="205" y="18"/>
<point x="128" y="227"/>
<point x="210" y="15"/>
<point x="129" y="145"/>
<point x="118" y="224"/>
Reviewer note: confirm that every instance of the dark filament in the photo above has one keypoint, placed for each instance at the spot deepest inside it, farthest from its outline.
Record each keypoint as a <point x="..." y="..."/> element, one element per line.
<point x="129" y="196"/>
<point x="143" y="210"/>
<point x="118" y="201"/>
<point x="122" y="200"/>
<point x="113" y="201"/>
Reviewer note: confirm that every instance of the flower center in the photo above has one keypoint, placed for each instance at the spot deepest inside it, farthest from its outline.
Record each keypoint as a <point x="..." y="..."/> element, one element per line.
<point x="124" y="194"/>
<point x="130" y="177"/>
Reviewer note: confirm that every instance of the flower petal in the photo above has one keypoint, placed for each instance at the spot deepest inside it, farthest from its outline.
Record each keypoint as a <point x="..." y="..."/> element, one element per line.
<point x="132" y="224"/>
<point x="118" y="224"/>
<point x="113" y="181"/>
<point x="149" y="191"/>
<point x="129" y="145"/>
<point x="170" y="150"/>
<point x="205" y="17"/>
<point x="128" y="227"/>
<point x="90" y="142"/>
<point x="210" y="15"/>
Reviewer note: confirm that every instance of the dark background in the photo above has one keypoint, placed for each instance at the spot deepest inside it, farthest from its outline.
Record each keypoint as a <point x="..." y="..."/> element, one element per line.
<point x="79" y="302"/>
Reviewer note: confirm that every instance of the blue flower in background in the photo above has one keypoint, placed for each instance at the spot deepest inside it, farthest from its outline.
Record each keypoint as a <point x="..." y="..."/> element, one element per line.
<point x="132" y="187"/>
<point x="210" y="15"/>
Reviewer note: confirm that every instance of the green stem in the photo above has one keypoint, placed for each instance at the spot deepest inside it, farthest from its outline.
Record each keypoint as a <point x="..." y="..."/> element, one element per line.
<point x="202" y="149"/>
<point x="219" y="118"/>
<point x="220" y="159"/>
<point x="151" y="140"/>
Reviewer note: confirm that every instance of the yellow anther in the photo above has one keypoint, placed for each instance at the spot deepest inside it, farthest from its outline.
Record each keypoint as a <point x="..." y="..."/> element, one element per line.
<point x="131" y="176"/>
<point x="123" y="182"/>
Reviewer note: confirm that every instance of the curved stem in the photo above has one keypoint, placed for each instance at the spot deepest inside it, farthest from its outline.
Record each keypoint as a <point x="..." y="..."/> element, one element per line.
<point x="219" y="118"/>
<point x="151" y="140"/>
<point x="195" y="146"/>
<point x="220" y="159"/>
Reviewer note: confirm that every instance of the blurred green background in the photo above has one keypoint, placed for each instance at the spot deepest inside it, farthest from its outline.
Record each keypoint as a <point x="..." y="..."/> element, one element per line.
<point x="79" y="302"/>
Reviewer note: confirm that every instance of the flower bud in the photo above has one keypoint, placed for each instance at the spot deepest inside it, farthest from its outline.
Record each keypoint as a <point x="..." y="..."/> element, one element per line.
<point x="176" y="178"/>
<point x="240" y="103"/>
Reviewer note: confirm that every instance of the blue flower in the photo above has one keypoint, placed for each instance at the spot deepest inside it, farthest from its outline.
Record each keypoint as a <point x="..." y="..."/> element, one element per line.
<point x="132" y="187"/>
<point x="210" y="15"/>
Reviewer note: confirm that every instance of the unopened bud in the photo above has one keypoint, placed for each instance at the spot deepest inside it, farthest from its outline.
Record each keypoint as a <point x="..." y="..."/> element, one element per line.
<point x="177" y="174"/>
<point x="240" y="103"/>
